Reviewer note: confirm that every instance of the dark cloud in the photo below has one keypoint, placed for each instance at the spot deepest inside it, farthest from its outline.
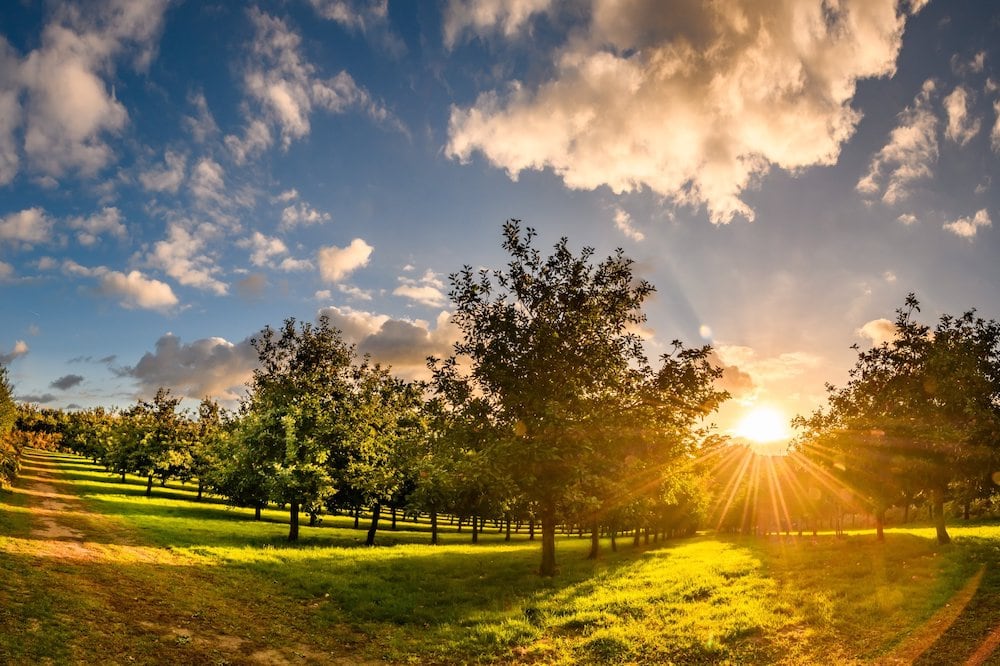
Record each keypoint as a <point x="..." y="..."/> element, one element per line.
<point x="251" y="287"/>
<point x="208" y="367"/>
<point x="37" y="399"/>
<point x="66" y="382"/>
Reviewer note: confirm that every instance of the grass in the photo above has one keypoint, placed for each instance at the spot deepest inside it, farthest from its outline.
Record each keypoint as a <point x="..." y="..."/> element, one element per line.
<point x="93" y="571"/>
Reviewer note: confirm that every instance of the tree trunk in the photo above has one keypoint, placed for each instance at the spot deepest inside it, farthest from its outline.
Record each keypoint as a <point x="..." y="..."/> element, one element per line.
<point x="376" y="510"/>
<point x="906" y="513"/>
<point x="939" y="517"/>
<point x="149" y="486"/>
<point x="635" y="537"/>
<point x="965" y="510"/>
<point x="531" y="529"/>
<point x="475" y="529"/>
<point x="507" y="537"/>
<point x="201" y="487"/>
<point x="256" y="512"/>
<point x="357" y="516"/>
<point x="123" y="477"/>
<point x="548" y="567"/>
<point x="293" y="521"/>
<point x="434" y="527"/>
<point x="880" y="523"/>
<point x="459" y="529"/>
<point x="394" y="517"/>
<point x="595" y="541"/>
<point x="614" y="542"/>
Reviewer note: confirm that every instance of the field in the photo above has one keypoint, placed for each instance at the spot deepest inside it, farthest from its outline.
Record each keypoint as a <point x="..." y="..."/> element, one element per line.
<point x="92" y="571"/>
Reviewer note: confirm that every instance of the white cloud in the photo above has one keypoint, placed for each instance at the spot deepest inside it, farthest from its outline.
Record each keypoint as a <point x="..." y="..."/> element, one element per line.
<point x="167" y="178"/>
<point x="69" y="113"/>
<point x="46" y="263"/>
<point x="323" y="295"/>
<point x="995" y="134"/>
<point x="769" y="369"/>
<point x="256" y="139"/>
<point x="907" y="219"/>
<point x="291" y="265"/>
<point x="401" y="343"/>
<point x="182" y="256"/>
<point x="336" y="263"/>
<point x="357" y="15"/>
<point x="108" y="221"/>
<point x="878" y="331"/>
<point x="486" y="16"/>
<point x="889" y="277"/>
<point x="623" y="223"/>
<point x="966" y="227"/>
<point x="31" y="225"/>
<point x="201" y="125"/>
<point x="356" y="293"/>
<point x="301" y="214"/>
<point x="135" y="290"/>
<point x="425" y="290"/>
<point x="287" y="195"/>
<point x="212" y="367"/>
<point x="961" y="127"/>
<point x="263" y="248"/>
<point x="6" y="270"/>
<point x="19" y="350"/>
<point x="694" y="103"/>
<point x="207" y="183"/>
<point x="908" y="156"/>
<point x="285" y="88"/>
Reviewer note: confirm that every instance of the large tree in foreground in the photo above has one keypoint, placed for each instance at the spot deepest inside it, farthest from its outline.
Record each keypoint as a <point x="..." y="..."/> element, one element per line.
<point x="921" y="410"/>
<point x="552" y="349"/>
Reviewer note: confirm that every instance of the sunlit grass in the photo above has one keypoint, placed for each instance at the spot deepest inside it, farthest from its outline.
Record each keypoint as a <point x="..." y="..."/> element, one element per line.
<point x="166" y="578"/>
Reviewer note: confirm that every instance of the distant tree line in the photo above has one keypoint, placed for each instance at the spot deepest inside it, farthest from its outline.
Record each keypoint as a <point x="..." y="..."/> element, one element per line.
<point x="548" y="413"/>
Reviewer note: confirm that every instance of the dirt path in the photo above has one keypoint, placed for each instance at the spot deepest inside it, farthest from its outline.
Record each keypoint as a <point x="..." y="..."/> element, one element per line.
<point x="121" y="600"/>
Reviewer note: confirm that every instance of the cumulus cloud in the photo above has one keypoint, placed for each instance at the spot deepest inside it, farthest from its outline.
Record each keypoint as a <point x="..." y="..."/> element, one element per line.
<point x="357" y="293"/>
<point x="182" y="256"/>
<point x="483" y="17"/>
<point x="166" y="178"/>
<point x="336" y="263"/>
<point x="623" y="223"/>
<point x="285" y="88"/>
<point x="135" y="290"/>
<point x="287" y="195"/>
<point x="89" y="229"/>
<point x="908" y="156"/>
<point x="961" y="126"/>
<point x="907" y="219"/>
<point x="401" y="343"/>
<point x="60" y="98"/>
<point x="738" y="383"/>
<point x="425" y="290"/>
<point x="263" y="248"/>
<point x="301" y="214"/>
<point x="20" y="349"/>
<point x="879" y="331"/>
<point x="31" y="225"/>
<point x="208" y="183"/>
<point x="67" y="382"/>
<point x="212" y="367"/>
<point x="767" y="369"/>
<point x="967" y="227"/>
<point x="694" y="103"/>
<point x="6" y="270"/>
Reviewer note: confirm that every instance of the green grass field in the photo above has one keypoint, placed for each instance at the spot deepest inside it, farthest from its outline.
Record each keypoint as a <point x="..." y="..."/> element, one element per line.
<point x="92" y="571"/>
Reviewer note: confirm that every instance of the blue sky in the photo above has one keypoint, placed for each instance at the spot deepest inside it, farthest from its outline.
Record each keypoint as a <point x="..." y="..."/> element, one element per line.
<point x="176" y="175"/>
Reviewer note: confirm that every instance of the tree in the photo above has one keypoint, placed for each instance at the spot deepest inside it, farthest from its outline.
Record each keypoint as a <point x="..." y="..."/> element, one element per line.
<point x="9" y="452"/>
<point x="550" y="341"/>
<point x="156" y="438"/>
<point x="289" y="418"/>
<point x="920" y="411"/>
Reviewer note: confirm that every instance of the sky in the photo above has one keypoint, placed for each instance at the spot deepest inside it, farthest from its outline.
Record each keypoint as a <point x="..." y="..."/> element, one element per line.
<point x="174" y="176"/>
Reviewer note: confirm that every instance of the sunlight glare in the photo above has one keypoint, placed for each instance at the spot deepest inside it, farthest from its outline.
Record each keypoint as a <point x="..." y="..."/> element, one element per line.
<point x="763" y="424"/>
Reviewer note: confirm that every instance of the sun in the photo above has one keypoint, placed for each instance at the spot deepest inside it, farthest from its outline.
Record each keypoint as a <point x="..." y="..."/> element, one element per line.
<point x="763" y="425"/>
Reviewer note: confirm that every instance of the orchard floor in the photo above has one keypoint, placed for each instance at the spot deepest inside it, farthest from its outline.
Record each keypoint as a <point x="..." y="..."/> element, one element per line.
<point x="94" y="572"/>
